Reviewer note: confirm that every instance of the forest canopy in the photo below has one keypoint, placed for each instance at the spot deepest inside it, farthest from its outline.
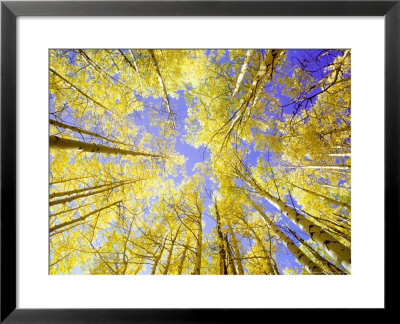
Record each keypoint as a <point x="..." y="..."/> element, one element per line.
<point x="218" y="162"/>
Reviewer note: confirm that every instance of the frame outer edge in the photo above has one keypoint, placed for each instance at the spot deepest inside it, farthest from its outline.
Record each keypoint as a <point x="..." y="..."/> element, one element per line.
<point x="8" y="162"/>
<point x="202" y="8"/>
<point x="392" y="147"/>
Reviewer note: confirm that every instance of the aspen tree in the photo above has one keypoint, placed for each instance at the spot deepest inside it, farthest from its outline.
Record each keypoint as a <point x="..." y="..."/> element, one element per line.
<point x="340" y="253"/>
<point x="272" y="128"/>
<point x="70" y="144"/>
<point x="299" y="255"/>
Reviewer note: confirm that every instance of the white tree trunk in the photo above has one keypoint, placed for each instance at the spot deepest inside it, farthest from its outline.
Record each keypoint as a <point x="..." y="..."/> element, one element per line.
<point x="197" y="265"/>
<point x="67" y="193"/>
<point x="243" y="71"/>
<point x="340" y="154"/>
<point x="170" y="252"/>
<point x="70" y="144"/>
<point x="162" y="84"/>
<point x="56" y="227"/>
<point x="183" y="257"/>
<point x="340" y="253"/>
<point x="236" y="249"/>
<point x="316" y="194"/>
<point x="82" y="131"/>
<point x="310" y="266"/>
<point x="267" y="65"/>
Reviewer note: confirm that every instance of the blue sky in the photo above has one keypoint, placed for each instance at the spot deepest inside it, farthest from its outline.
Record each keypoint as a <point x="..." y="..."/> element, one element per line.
<point x="193" y="155"/>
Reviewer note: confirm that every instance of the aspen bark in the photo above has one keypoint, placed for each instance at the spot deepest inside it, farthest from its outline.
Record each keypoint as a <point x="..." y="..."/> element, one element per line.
<point x="345" y="168"/>
<point x="271" y="268"/>
<point x="266" y="65"/>
<point x="330" y="267"/>
<point x="67" y="210"/>
<point x="97" y="68"/>
<point x="321" y="220"/>
<point x="316" y="194"/>
<point x="67" y="180"/>
<point x="340" y="253"/>
<point x="230" y="257"/>
<point x="162" y="84"/>
<point x="67" y="193"/>
<point x="127" y="60"/>
<point x="62" y="258"/>
<point x="82" y="131"/>
<point x="69" y="199"/>
<point x="243" y="71"/>
<point x="197" y="266"/>
<point x="70" y="144"/>
<point x="170" y="252"/>
<point x="334" y="187"/>
<point x="236" y="249"/>
<point x="158" y="258"/>
<point x="310" y="266"/>
<point x="66" y="229"/>
<point x="337" y="130"/>
<point x="180" y="267"/>
<point x="324" y="264"/>
<point x="56" y="227"/>
<point x="137" y="70"/>
<point x="267" y="254"/>
<point x="222" y="255"/>
<point x="83" y="94"/>
<point x="125" y="261"/>
<point x="340" y="154"/>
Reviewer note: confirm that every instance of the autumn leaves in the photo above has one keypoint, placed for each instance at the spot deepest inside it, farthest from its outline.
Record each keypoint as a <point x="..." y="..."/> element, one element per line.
<point x="276" y="129"/>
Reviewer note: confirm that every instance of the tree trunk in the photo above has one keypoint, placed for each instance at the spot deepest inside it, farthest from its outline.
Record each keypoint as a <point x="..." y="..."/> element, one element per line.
<point x="322" y="220"/>
<point x="334" y="187"/>
<point x="316" y="194"/>
<point x="236" y="249"/>
<point x="67" y="210"/>
<point x="180" y="267"/>
<point x="222" y="255"/>
<point x="158" y="258"/>
<point x="230" y="257"/>
<point x="345" y="168"/>
<point x="170" y="252"/>
<point x="340" y="154"/>
<point x="67" y="180"/>
<point x="337" y="130"/>
<point x="56" y="227"/>
<point x="70" y="144"/>
<point x="127" y="60"/>
<point x="137" y="70"/>
<point x="69" y="199"/>
<point x="331" y="267"/>
<point x="243" y="71"/>
<point x="199" y="238"/>
<point x="125" y="261"/>
<point x="82" y="131"/>
<point x="83" y="94"/>
<point x="66" y="229"/>
<point x="98" y="69"/>
<point x="340" y="253"/>
<point x="67" y="193"/>
<point x="162" y="84"/>
<point x="310" y="266"/>
<point x="266" y="65"/>
<point x="267" y="259"/>
<point x="326" y="266"/>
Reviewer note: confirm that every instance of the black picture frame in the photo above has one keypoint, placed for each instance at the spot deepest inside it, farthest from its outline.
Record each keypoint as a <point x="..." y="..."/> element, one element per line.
<point x="10" y="10"/>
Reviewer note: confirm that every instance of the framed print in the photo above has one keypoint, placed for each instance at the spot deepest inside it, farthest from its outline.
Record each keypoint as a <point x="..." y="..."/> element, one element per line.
<point x="185" y="161"/>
